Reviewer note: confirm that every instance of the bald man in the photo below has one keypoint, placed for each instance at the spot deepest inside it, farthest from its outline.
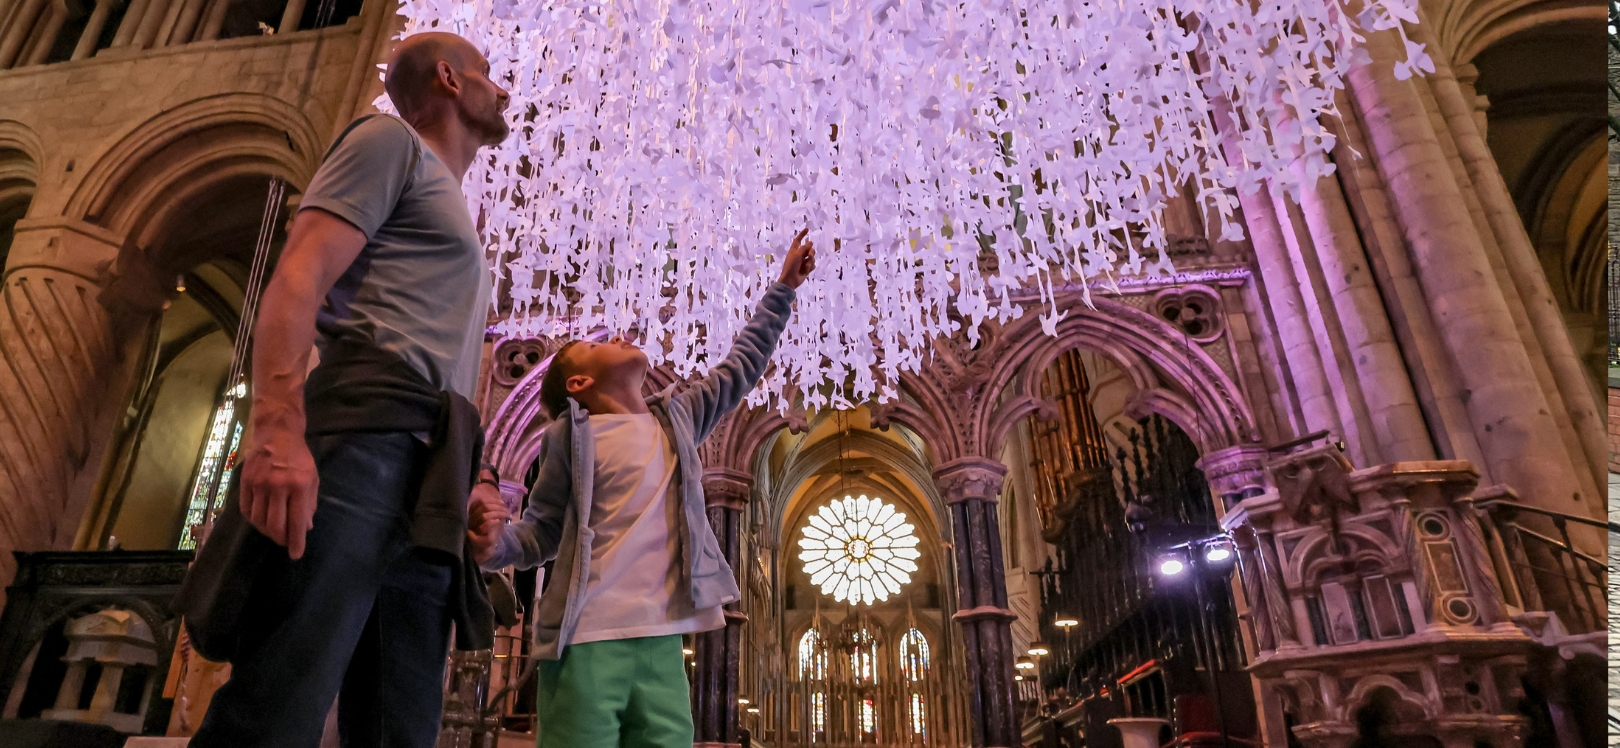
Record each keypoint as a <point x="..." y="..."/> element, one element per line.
<point x="345" y="465"/>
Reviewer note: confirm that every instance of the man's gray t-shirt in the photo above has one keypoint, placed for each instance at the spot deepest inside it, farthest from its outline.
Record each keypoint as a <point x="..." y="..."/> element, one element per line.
<point x="421" y="286"/>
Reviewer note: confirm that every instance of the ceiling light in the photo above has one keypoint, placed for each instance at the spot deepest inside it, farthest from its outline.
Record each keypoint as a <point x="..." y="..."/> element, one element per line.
<point x="1038" y="649"/>
<point x="1064" y="623"/>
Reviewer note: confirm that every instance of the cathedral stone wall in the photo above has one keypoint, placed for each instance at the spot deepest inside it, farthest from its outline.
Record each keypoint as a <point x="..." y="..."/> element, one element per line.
<point x="80" y="111"/>
<point x="1614" y="426"/>
<point x="137" y="165"/>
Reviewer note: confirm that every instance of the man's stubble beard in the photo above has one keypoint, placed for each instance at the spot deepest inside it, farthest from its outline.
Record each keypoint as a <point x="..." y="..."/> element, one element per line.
<point x="494" y="127"/>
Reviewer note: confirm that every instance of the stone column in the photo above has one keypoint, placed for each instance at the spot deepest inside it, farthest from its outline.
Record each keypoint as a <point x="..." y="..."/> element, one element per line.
<point x="15" y="37"/>
<point x="290" y="17"/>
<point x="1344" y="275"/>
<point x="971" y="487"/>
<point x="1270" y="240"/>
<point x="92" y="30"/>
<point x="1524" y="268"/>
<point x="45" y="39"/>
<point x="715" y="681"/>
<point x="67" y="364"/>
<point x="1510" y="415"/>
<point x="131" y="22"/>
<point x="151" y="22"/>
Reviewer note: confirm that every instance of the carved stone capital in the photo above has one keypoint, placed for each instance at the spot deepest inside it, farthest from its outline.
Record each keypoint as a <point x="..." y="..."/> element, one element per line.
<point x="984" y="612"/>
<point x="1235" y="473"/>
<point x="726" y="487"/>
<point x="970" y="478"/>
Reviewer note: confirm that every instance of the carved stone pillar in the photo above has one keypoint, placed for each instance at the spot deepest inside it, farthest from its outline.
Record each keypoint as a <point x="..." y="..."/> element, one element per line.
<point x="1510" y="414"/>
<point x="65" y="374"/>
<point x="717" y="653"/>
<point x="971" y="487"/>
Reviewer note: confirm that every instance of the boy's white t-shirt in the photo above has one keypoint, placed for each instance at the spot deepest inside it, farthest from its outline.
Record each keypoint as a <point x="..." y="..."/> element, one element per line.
<point x="631" y="591"/>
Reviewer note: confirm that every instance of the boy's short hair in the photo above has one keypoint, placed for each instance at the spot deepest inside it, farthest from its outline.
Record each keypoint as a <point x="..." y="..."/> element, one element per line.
<point x="554" y="383"/>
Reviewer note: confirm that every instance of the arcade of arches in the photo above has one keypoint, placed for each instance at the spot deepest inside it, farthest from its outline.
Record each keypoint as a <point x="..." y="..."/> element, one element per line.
<point x="1365" y="440"/>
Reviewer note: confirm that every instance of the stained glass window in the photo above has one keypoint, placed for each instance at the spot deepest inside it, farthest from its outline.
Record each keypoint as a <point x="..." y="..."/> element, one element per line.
<point x="859" y="549"/>
<point x="863" y="657"/>
<point x="818" y="712"/>
<point x="913" y="655"/>
<point x="919" y="717"/>
<point x="812" y="657"/>
<point x="868" y="716"/>
<point x="219" y="458"/>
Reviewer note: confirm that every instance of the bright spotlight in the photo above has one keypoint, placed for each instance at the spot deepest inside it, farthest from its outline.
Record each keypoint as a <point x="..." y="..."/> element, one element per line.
<point x="744" y="702"/>
<point x="686" y="651"/>
<point x="1171" y="567"/>
<point x="752" y="710"/>
<point x="1218" y="550"/>
<point x="1038" y="650"/>
<point x="1064" y="623"/>
<point x="1024" y="663"/>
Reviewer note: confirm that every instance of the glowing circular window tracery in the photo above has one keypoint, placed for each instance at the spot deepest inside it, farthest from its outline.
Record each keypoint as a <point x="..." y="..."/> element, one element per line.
<point x="859" y="549"/>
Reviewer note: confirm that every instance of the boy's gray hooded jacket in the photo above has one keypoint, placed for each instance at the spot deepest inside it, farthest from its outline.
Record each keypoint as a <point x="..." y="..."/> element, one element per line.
<point x="552" y="526"/>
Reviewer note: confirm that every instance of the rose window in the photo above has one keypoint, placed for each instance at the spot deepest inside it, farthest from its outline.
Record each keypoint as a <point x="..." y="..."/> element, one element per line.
<point x="859" y="549"/>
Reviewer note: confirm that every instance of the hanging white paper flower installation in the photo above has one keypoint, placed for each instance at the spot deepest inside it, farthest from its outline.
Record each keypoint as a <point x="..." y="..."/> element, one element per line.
<point x="859" y="549"/>
<point x="953" y="160"/>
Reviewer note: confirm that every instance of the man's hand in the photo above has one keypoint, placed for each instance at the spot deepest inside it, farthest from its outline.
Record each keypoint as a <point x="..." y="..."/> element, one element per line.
<point x="279" y="481"/>
<point x="486" y="518"/>
<point x="801" y="260"/>
<point x="279" y="485"/>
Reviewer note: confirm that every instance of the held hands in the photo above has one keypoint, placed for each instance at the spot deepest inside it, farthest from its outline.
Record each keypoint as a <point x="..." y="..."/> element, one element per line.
<point x="486" y="517"/>
<point x="801" y="260"/>
<point x="279" y="485"/>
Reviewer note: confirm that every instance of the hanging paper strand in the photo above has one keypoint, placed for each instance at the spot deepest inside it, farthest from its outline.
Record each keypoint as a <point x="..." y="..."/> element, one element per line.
<point x="946" y="156"/>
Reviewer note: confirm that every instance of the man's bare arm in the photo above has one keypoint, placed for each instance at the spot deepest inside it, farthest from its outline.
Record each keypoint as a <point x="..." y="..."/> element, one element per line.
<point x="279" y="482"/>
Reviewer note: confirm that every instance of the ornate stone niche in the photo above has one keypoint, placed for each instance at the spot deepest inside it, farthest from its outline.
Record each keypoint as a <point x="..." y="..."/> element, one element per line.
<point x="111" y="657"/>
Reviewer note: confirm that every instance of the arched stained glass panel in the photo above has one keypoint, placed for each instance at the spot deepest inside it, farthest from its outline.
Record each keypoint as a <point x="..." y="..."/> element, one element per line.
<point x="863" y="657"/>
<point x="812" y="657"/>
<point x="919" y="717"/>
<point x="913" y="655"/>
<point x="818" y="712"/>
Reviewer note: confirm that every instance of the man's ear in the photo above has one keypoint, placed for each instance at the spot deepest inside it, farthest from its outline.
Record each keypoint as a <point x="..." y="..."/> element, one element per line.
<point x="578" y="383"/>
<point x="447" y="77"/>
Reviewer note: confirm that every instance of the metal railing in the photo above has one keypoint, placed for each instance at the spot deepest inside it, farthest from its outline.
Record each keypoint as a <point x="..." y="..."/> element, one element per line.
<point x="1542" y="570"/>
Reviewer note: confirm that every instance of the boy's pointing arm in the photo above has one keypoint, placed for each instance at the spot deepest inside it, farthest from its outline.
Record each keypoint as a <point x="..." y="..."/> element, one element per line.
<point x="712" y="397"/>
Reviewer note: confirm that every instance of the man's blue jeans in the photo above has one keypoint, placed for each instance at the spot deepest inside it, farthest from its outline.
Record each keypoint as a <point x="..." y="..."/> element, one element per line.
<point x="363" y="612"/>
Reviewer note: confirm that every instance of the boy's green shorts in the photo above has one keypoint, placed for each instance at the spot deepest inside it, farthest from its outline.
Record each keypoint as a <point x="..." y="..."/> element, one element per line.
<point x="623" y="692"/>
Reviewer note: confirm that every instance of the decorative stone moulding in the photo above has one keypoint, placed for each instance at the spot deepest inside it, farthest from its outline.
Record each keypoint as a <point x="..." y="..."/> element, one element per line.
<point x="953" y="161"/>
<point x="514" y="358"/>
<point x="1195" y="311"/>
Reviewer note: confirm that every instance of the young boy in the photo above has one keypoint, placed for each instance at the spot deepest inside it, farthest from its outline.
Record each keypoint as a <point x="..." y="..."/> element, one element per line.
<point x="619" y="504"/>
